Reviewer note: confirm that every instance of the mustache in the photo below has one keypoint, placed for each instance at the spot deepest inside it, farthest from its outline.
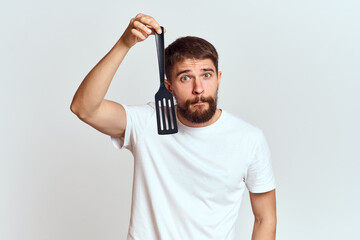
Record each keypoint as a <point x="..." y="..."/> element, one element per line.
<point x="198" y="99"/>
<point x="202" y="99"/>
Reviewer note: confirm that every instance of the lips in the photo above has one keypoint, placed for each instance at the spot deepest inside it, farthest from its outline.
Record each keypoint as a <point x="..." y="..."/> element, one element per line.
<point x="199" y="103"/>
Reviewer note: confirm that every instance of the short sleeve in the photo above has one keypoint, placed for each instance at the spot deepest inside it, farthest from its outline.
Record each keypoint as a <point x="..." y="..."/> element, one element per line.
<point x="137" y="117"/>
<point x="260" y="176"/>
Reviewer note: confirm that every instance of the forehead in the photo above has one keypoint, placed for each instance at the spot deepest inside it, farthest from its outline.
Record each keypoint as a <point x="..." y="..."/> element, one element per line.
<point x="193" y="64"/>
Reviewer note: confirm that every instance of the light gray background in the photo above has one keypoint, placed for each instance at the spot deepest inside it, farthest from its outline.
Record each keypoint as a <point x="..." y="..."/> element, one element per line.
<point x="289" y="67"/>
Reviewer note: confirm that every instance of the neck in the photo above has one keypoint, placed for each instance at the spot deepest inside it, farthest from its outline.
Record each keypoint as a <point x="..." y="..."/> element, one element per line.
<point x="197" y="125"/>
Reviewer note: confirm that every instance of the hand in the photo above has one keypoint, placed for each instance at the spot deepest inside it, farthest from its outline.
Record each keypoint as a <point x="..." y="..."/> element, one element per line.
<point x="140" y="28"/>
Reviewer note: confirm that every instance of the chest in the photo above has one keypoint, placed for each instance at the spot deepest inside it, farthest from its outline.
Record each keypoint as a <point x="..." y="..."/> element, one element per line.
<point x="212" y="164"/>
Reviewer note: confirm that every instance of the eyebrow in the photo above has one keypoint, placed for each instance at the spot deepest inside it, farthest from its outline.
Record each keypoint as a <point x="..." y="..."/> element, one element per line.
<point x="203" y="69"/>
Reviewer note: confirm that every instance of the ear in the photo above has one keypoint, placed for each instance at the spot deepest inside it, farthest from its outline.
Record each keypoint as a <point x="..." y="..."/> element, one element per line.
<point x="168" y="86"/>
<point x="219" y="78"/>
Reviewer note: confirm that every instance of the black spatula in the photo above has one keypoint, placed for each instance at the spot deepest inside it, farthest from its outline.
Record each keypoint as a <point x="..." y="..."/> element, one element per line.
<point x="164" y="100"/>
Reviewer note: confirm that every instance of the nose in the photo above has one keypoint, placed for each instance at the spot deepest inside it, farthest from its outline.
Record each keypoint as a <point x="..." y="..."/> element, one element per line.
<point x="198" y="87"/>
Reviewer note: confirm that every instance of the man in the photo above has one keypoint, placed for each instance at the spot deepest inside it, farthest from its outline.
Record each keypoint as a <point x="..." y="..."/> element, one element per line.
<point x="188" y="185"/>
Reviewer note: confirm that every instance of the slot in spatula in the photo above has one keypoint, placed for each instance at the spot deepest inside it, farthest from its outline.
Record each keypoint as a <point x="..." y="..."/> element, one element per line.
<point x="164" y="100"/>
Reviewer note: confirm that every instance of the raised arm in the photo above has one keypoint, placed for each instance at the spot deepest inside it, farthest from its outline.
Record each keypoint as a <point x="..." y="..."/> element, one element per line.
<point x="88" y="103"/>
<point x="264" y="209"/>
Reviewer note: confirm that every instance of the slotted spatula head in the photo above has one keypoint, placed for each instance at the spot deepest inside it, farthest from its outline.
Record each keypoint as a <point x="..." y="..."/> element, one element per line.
<point x="164" y="100"/>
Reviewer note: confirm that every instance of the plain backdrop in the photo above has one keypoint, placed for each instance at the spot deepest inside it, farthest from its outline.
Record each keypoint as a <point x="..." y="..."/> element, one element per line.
<point x="290" y="68"/>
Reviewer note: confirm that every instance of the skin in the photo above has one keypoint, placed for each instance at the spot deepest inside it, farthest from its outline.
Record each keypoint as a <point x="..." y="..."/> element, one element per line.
<point x="88" y="104"/>
<point x="109" y="117"/>
<point x="192" y="79"/>
<point x="264" y="209"/>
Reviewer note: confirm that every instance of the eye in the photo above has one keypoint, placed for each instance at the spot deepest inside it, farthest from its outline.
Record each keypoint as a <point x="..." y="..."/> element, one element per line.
<point x="185" y="78"/>
<point x="207" y="75"/>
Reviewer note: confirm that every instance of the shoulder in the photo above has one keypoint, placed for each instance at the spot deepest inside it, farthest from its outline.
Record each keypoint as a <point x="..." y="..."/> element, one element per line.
<point x="138" y="115"/>
<point x="140" y="109"/>
<point x="145" y="107"/>
<point x="241" y="131"/>
<point x="238" y="124"/>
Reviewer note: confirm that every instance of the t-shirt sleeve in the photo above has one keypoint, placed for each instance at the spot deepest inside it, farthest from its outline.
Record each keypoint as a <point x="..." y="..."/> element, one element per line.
<point x="137" y="117"/>
<point x="260" y="176"/>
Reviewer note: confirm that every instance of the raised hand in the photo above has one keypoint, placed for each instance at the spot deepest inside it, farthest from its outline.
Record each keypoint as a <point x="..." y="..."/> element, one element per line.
<point x="140" y="28"/>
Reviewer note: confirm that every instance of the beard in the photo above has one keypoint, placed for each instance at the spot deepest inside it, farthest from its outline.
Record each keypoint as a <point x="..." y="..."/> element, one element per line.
<point x="199" y="115"/>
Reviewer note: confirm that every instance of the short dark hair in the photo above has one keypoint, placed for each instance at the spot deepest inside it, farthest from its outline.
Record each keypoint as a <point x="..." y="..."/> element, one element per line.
<point x="188" y="47"/>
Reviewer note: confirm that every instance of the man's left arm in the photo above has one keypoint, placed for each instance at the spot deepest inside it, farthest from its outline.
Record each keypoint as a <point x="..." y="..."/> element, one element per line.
<point x="264" y="209"/>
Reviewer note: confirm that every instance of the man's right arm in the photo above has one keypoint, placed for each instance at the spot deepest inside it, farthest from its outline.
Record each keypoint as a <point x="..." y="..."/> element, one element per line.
<point x="88" y="103"/>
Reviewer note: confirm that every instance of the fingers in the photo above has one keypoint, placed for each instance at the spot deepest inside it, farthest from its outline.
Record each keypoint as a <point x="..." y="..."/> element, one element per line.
<point x="146" y="24"/>
<point x="140" y="27"/>
<point x="138" y="34"/>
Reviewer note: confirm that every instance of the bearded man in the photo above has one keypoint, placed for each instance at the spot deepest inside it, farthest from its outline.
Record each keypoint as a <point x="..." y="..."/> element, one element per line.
<point x="187" y="185"/>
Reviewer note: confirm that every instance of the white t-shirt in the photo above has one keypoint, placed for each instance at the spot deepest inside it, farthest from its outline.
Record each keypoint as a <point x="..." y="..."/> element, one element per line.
<point x="189" y="185"/>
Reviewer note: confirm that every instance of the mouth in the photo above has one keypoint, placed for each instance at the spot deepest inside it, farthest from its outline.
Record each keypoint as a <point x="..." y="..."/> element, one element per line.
<point x="199" y="103"/>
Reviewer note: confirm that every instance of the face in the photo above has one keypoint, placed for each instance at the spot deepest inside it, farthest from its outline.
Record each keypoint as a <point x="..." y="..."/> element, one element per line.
<point x="195" y="85"/>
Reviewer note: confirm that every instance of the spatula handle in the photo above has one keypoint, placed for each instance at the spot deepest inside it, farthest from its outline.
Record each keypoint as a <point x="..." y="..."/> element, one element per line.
<point x="159" y="38"/>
